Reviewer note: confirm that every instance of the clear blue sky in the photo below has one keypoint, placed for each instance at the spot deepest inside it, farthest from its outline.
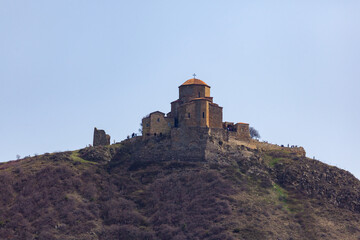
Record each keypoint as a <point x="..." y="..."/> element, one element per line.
<point x="289" y="68"/>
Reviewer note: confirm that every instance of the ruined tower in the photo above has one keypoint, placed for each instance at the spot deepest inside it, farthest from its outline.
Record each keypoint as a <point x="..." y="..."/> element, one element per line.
<point x="100" y="138"/>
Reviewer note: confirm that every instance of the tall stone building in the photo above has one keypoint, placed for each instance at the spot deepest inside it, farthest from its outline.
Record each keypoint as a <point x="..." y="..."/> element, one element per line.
<point x="193" y="109"/>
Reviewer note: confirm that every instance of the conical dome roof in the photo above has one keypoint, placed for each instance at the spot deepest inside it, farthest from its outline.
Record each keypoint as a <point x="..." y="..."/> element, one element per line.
<point x="194" y="81"/>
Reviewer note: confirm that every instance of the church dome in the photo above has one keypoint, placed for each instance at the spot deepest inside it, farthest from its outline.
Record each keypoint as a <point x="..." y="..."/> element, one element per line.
<point x="194" y="81"/>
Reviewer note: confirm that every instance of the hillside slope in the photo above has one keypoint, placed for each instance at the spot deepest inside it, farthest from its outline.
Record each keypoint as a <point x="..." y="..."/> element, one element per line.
<point x="132" y="191"/>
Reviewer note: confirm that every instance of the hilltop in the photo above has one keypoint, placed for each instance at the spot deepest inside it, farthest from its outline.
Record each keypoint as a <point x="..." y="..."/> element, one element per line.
<point x="140" y="189"/>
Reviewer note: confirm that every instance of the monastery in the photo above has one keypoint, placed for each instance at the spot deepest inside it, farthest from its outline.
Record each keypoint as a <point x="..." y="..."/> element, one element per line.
<point x="193" y="109"/>
<point x="193" y="129"/>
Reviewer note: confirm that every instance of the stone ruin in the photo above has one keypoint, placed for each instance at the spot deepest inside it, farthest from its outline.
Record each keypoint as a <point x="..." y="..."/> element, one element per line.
<point x="101" y="138"/>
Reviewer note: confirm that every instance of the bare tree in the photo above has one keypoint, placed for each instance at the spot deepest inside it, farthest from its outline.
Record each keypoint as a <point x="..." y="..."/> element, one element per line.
<point x="18" y="156"/>
<point x="254" y="133"/>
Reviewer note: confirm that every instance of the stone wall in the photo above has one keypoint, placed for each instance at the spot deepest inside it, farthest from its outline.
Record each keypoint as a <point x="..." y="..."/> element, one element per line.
<point x="299" y="151"/>
<point x="170" y="123"/>
<point x="146" y="126"/>
<point x="200" y="144"/>
<point x="215" y="116"/>
<point x="174" y="111"/>
<point x="202" y="112"/>
<point x="189" y="143"/>
<point x="196" y="114"/>
<point x="157" y="124"/>
<point x="187" y="115"/>
<point x="188" y="92"/>
<point x="239" y="131"/>
<point x="243" y="131"/>
<point x="100" y="138"/>
<point x="184" y="144"/>
<point x="204" y="144"/>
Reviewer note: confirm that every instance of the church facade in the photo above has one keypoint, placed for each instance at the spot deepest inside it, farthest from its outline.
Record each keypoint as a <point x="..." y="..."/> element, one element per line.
<point x="193" y="109"/>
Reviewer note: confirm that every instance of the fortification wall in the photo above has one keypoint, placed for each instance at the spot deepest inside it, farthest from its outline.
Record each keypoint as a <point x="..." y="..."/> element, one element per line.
<point x="182" y="145"/>
<point x="243" y="131"/>
<point x="215" y="116"/>
<point x="204" y="144"/>
<point x="189" y="143"/>
<point x="299" y="151"/>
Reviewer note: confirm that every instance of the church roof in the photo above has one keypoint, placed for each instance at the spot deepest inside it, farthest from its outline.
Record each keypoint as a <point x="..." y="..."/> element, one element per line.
<point x="157" y="112"/>
<point x="194" y="81"/>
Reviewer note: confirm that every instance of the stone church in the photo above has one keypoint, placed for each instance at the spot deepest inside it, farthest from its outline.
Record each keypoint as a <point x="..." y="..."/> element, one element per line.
<point x="195" y="129"/>
<point x="194" y="109"/>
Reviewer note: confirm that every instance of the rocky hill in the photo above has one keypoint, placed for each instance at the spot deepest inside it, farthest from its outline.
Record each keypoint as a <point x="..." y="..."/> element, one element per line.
<point x="141" y="190"/>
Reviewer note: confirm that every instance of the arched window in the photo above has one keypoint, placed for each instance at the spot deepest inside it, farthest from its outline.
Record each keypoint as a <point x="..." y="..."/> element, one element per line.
<point x="158" y="119"/>
<point x="203" y="115"/>
<point x="188" y="115"/>
<point x="199" y="94"/>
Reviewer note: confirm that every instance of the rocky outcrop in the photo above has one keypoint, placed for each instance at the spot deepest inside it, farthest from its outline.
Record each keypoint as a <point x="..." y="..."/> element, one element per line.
<point x="158" y="189"/>
<point x="315" y="179"/>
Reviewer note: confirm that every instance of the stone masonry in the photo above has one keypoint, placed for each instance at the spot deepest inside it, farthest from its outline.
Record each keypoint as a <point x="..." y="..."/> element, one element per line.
<point x="100" y="138"/>
<point x="193" y="109"/>
<point x="194" y="130"/>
